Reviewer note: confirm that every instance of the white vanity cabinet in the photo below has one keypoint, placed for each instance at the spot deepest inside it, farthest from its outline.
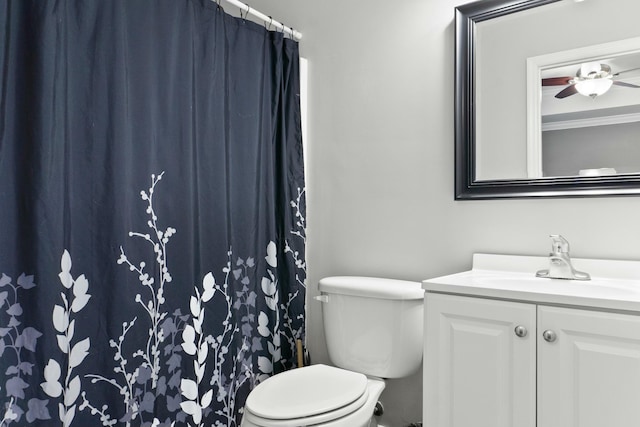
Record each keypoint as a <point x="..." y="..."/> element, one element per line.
<point x="505" y="355"/>
<point x="589" y="375"/>
<point x="477" y="372"/>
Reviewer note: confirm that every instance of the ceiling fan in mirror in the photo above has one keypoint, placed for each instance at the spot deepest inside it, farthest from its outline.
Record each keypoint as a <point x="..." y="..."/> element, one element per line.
<point x="592" y="79"/>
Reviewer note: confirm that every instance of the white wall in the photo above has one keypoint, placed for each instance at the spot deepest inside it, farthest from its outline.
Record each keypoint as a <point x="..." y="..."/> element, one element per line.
<point x="380" y="172"/>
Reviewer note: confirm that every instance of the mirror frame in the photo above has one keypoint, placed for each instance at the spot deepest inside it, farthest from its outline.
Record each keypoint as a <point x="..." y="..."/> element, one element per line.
<point x="466" y="186"/>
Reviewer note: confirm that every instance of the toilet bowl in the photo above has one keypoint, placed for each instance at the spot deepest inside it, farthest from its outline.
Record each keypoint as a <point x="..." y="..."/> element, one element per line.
<point x="374" y="331"/>
<point x="336" y="398"/>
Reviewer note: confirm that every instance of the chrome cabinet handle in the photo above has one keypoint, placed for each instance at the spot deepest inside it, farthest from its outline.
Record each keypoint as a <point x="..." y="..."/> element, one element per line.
<point x="549" y="335"/>
<point x="520" y="331"/>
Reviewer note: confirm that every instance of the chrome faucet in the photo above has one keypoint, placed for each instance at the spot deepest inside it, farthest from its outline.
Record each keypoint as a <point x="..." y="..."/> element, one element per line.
<point x="560" y="263"/>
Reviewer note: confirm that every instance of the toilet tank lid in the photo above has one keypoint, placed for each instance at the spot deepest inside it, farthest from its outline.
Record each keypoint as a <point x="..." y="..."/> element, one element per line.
<point x="372" y="287"/>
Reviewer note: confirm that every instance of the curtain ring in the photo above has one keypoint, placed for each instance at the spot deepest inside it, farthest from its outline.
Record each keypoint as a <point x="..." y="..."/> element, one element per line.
<point x="270" y="22"/>
<point x="246" y="13"/>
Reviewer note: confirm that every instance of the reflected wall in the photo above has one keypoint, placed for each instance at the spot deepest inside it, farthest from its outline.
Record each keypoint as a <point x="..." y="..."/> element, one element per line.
<point x="503" y="46"/>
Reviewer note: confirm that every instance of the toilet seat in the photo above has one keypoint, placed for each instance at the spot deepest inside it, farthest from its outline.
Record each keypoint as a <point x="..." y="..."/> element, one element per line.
<point x="306" y="396"/>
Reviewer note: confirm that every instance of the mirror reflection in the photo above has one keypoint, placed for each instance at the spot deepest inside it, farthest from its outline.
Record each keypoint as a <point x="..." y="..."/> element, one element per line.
<point x="557" y="92"/>
<point x="590" y="118"/>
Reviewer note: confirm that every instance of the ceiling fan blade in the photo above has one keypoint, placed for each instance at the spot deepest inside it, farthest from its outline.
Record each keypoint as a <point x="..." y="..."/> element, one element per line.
<point x="556" y="81"/>
<point x="619" y="83"/>
<point x="626" y="71"/>
<point x="567" y="91"/>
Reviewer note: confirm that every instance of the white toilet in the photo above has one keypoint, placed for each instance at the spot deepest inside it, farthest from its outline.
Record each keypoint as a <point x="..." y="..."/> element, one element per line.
<point x="373" y="329"/>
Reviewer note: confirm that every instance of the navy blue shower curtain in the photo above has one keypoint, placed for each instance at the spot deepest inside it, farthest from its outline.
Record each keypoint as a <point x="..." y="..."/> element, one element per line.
<point x="152" y="212"/>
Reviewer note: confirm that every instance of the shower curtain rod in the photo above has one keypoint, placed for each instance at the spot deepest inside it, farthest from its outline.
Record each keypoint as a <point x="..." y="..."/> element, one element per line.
<point x="267" y="19"/>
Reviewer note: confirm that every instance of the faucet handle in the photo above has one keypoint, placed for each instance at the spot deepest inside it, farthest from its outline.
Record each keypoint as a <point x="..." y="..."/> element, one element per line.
<point x="559" y="245"/>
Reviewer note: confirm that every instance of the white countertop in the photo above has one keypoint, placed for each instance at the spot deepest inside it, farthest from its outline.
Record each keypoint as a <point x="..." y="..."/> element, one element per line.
<point x="614" y="285"/>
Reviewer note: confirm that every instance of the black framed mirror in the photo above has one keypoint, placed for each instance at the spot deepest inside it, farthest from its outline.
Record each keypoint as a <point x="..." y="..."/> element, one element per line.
<point x="469" y="185"/>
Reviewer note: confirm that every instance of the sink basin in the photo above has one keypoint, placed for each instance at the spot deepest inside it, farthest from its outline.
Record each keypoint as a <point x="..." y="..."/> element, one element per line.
<point x="525" y="281"/>
<point x="614" y="284"/>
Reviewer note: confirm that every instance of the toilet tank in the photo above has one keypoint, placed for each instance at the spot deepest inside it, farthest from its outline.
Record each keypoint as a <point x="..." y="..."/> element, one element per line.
<point x="373" y="325"/>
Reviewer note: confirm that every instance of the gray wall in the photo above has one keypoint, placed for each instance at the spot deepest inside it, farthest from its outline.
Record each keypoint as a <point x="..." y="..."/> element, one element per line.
<point x="566" y="151"/>
<point x="380" y="173"/>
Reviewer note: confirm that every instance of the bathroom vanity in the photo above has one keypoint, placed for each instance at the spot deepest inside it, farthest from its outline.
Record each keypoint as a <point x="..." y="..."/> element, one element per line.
<point x="504" y="348"/>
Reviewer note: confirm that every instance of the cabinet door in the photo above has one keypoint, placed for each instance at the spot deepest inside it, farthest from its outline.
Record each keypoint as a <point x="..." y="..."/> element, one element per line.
<point x="589" y="375"/>
<point x="477" y="371"/>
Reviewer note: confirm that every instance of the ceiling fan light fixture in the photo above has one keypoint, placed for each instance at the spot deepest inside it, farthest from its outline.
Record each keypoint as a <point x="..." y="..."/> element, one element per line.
<point x="593" y="87"/>
<point x="590" y="69"/>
